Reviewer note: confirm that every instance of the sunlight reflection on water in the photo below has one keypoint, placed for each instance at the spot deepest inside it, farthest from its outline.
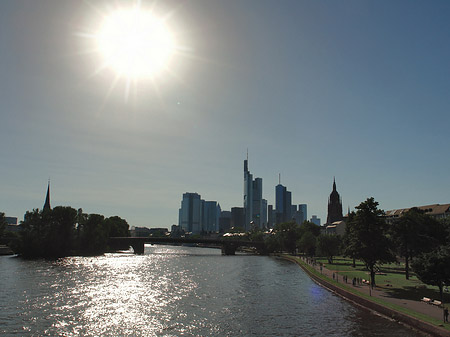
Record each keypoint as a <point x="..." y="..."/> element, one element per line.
<point x="174" y="291"/>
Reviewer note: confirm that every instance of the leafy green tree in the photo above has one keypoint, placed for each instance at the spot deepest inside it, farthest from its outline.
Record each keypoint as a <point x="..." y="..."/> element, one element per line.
<point x="288" y="233"/>
<point x="433" y="268"/>
<point x="273" y="243"/>
<point x="307" y="243"/>
<point x="416" y="232"/>
<point x="94" y="235"/>
<point x="308" y="226"/>
<point x="47" y="233"/>
<point x="369" y="228"/>
<point x="2" y="224"/>
<point x="329" y="245"/>
<point x="350" y="243"/>
<point x="117" y="227"/>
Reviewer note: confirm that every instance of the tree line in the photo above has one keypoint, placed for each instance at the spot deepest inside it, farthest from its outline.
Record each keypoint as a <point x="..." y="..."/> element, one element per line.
<point x="420" y="240"/>
<point x="64" y="231"/>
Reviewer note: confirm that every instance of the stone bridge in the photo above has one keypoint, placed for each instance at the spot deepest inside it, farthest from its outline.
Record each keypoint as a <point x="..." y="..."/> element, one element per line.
<point x="229" y="246"/>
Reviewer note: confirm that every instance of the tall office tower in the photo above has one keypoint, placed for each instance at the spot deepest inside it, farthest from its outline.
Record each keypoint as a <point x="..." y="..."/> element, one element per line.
<point x="257" y="203"/>
<point x="264" y="214"/>
<point x="283" y="203"/>
<point x="334" y="206"/>
<point x="302" y="209"/>
<point x="271" y="216"/>
<point x="248" y="196"/>
<point x="237" y="217"/>
<point x="253" y="201"/>
<point x="315" y="220"/>
<point x="47" y="198"/>
<point x="224" y="221"/>
<point x="210" y="216"/>
<point x="190" y="213"/>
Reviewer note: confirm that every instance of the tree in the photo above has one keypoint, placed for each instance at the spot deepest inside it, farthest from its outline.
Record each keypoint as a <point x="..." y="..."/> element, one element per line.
<point x="434" y="268"/>
<point x="329" y="245"/>
<point x="307" y="243"/>
<point x="414" y="233"/>
<point x="117" y="227"/>
<point x="288" y="233"/>
<point x="369" y="228"/>
<point x="351" y="244"/>
<point x="94" y="235"/>
<point x="2" y="223"/>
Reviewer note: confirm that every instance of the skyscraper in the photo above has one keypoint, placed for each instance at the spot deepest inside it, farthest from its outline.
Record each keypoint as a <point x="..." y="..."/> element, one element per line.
<point x="47" y="198"/>
<point x="334" y="206"/>
<point x="190" y="213"/>
<point x="253" y="201"/>
<point x="283" y="204"/>
<point x="210" y="216"/>
<point x="302" y="209"/>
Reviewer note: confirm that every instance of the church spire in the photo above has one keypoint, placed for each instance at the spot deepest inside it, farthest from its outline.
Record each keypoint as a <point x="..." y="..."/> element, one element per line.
<point x="334" y="183"/>
<point x="47" y="198"/>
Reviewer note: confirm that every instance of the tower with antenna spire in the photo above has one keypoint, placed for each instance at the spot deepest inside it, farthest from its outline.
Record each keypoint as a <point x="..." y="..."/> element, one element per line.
<point x="334" y="205"/>
<point x="254" y="204"/>
<point x="47" y="198"/>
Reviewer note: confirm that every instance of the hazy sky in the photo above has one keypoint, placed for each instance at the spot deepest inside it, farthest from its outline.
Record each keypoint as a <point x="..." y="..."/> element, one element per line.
<point x="358" y="89"/>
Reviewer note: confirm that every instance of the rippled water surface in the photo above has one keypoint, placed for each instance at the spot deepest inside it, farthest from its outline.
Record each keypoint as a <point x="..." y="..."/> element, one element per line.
<point x="175" y="291"/>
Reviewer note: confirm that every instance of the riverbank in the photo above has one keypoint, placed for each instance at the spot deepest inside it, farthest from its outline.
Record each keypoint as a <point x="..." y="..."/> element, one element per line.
<point x="419" y="315"/>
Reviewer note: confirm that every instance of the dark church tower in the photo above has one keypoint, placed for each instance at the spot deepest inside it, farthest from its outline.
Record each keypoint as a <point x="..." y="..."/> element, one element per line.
<point x="334" y="206"/>
<point x="47" y="198"/>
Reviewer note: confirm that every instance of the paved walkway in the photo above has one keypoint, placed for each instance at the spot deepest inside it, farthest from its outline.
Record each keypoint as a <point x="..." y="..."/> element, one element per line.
<point x="418" y="306"/>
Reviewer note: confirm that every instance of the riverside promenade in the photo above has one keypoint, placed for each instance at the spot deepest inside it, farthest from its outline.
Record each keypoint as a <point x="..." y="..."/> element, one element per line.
<point x="377" y="299"/>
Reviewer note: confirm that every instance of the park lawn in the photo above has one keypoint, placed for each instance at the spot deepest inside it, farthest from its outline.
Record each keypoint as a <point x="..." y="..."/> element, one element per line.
<point x="390" y="278"/>
<point x="377" y="300"/>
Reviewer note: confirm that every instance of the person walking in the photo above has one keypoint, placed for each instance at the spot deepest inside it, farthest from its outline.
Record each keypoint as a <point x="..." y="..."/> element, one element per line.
<point x="446" y="314"/>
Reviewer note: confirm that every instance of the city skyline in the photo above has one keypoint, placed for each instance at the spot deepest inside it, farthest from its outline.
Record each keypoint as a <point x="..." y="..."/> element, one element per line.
<point x="355" y="90"/>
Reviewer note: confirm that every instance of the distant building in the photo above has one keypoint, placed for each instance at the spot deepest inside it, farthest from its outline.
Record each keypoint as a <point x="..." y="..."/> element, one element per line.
<point x="271" y="217"/>
<point x="315" y="220"/>
<point x="210" y="216"/>
<point x="237" y="217"/>
<point x="176" y="231"/>
<point x="11" y="220"/>
<point x="190" y="213"/>
<point x="264" y="214"/>
<point x="224" y="221"/>
<point x="283" y="204"/>
<point x="141" y="232"/>
<point x="47" y="198"/>
<point x="303" y="210"/>
<point x="436" y="211"/>
<point x="197" y="215"/>
<point x="253" y="201"/>
<point x="337" y="227"/>
<point x="158" y="232"/>
<point x="334" y="206"/>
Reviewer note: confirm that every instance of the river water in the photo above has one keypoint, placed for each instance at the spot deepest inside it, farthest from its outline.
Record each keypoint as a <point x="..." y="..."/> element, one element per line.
<point x="175" y="291"/>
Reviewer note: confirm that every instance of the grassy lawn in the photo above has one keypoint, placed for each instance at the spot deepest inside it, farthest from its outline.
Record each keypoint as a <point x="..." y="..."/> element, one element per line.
<point x="359" y="270"/>
<point x="391" y="278"/>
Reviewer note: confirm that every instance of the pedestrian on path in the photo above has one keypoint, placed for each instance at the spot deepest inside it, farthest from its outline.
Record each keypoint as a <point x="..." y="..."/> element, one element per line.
<point x="446" y="314"/>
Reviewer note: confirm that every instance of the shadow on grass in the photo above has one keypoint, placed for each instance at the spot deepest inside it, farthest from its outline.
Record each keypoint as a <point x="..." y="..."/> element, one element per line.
<point x="413" y="293"/>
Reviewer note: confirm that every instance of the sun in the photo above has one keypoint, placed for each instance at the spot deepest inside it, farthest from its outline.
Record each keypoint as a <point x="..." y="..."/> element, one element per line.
<point x="134" y="43"/>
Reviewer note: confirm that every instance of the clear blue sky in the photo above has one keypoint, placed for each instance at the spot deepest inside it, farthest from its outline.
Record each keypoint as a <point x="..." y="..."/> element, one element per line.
<point x="358" y="89"/>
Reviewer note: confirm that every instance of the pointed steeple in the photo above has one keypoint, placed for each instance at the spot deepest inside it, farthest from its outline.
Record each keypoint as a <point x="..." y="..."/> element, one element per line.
<point x="334" y="183"/>
<point x="47" y="198"/>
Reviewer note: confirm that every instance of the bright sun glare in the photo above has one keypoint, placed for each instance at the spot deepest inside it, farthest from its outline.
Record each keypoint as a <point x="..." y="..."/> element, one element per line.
<point x="134" y="43"/>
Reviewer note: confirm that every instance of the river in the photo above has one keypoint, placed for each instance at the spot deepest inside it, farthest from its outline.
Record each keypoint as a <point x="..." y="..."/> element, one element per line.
<point x="175" y="291"/>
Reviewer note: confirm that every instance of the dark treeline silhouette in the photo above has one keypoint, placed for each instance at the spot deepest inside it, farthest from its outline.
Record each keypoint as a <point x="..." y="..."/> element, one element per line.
<point x="415" y="238"/>
<point x="64" y="231"/>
